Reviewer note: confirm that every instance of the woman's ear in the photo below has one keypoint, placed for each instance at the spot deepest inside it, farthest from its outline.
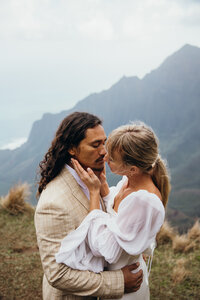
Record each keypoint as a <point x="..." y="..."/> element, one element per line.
<point x="134" y="170"/>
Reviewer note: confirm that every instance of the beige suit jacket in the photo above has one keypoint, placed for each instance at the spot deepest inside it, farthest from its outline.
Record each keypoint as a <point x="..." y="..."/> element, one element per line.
<point x="61" y="208"/>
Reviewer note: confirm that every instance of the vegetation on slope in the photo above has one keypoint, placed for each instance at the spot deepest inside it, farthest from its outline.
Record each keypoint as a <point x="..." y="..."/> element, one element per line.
<point x="20" y="267"/>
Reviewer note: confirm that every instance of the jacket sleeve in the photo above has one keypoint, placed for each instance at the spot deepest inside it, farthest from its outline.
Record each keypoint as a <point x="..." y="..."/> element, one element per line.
<point x="52" y="224"/>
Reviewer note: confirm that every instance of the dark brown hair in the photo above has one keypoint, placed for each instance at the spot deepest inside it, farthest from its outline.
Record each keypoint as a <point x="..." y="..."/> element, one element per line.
<point x="70" y="133"/>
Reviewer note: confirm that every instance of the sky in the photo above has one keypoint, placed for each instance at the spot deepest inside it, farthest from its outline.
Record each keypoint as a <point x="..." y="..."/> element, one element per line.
<point x="54" y="53"/>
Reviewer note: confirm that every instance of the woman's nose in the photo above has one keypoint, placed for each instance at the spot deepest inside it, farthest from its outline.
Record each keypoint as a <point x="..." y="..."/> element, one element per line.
<point x="106" y="157"/>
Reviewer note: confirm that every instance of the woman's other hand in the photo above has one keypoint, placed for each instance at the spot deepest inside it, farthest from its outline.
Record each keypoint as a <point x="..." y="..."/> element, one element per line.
<point x="104" y="191"/>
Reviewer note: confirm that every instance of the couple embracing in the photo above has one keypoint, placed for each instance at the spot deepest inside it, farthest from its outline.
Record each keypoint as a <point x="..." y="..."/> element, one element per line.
<point x="91" y="237"/>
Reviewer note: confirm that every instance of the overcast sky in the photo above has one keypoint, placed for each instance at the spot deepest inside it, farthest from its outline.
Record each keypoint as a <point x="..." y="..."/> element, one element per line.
<point x="56" y="52"/>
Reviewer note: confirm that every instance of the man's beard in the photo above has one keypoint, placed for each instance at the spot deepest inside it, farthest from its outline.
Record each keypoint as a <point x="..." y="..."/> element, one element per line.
<point x="100" y="169"/>
<point x="97" y="169"/>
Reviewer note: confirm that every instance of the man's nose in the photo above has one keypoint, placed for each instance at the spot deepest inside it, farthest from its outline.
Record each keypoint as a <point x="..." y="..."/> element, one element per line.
<point x="102" y="150"/>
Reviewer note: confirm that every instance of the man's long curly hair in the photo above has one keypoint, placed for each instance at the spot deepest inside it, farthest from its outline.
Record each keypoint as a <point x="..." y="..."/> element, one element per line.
<point x="70" y="133"/>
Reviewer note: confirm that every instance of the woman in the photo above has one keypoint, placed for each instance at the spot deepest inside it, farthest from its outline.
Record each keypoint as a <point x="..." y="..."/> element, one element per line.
<point x="135" y="207"/>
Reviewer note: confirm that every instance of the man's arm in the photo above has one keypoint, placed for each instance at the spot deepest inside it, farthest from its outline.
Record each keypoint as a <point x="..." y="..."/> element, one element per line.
<point x="54" y="219"/>
<point x="50" y="224"/>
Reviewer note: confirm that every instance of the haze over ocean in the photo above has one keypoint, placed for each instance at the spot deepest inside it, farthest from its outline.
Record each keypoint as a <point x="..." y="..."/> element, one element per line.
<point x="12" y="144"/>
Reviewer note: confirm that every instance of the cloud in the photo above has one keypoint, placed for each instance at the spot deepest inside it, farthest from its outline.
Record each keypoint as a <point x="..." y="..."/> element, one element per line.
<point x="55" y="52"/>
<point x="97" y="28"/>
<point x="154" y="18"/>
<point x="92" y="19"/>
<point x="31" y="20"/>
<point x="191" y="16"/>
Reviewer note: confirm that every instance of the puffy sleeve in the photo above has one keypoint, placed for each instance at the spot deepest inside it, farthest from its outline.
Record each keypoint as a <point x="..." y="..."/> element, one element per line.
<point x="138" y="221"/>
<point x="77" y="249"/>
<point x="101" y="235"/>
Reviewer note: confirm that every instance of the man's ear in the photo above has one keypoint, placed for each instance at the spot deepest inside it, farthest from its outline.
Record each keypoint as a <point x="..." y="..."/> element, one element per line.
<point x="72" y="151"/>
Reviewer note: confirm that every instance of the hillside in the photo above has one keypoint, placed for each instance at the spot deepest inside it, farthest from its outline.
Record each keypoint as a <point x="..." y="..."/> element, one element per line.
<point x="21" y="272"/>
<point x="168" y="99"/>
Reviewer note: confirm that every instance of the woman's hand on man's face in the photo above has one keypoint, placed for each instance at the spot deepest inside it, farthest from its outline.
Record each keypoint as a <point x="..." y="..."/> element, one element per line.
<point x="88" y="177"/>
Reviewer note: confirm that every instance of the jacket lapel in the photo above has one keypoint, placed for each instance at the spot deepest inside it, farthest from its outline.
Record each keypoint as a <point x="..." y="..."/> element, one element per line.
<point x="75" y="188"/>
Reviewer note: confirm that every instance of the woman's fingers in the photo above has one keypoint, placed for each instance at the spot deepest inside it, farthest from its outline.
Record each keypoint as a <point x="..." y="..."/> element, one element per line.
<point x="79" y="169"/>
<point x="94" y="179"/>
<point x="91" y="173"/>
<point x="104" y="169"/>
<point x="75" y="165"/>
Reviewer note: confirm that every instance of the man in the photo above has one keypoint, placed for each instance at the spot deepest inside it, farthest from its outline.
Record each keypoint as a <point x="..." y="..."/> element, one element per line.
<point x="64" y="203"/>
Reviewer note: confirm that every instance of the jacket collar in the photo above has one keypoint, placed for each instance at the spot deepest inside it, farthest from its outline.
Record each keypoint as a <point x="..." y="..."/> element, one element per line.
<point x="75" y="188"/>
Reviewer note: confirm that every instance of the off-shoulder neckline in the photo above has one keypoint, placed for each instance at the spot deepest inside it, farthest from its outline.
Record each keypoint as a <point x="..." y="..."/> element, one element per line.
<point x="135" y="192"/>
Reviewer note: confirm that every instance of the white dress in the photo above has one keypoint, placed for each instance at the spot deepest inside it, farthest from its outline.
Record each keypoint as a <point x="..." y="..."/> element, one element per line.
<point x="118" y="238"/>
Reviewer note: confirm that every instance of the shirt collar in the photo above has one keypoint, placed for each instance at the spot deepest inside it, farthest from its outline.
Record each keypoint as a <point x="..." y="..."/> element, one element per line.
<point x="77" y="178"/>
<point x="80" y="182"/>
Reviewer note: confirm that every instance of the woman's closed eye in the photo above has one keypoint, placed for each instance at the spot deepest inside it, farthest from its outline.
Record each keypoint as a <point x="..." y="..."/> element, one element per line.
<point x="110" y="159"/>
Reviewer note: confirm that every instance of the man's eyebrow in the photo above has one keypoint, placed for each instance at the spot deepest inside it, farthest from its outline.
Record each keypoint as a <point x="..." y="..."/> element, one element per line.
<point x="98" y="141"/>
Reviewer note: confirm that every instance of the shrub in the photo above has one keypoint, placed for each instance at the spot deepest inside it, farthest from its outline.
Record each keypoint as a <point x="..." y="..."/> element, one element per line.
<point x="15" y="201"/>
<point x="181" y="243"/>
<point x="187" y="242"/>
<point x="179" y="272"/>
<point x="194" y="232"/>
<point x="166" y="234"/>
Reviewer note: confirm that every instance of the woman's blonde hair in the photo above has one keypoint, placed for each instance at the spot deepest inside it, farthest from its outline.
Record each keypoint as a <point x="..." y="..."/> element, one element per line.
<point x="138" y="146"/>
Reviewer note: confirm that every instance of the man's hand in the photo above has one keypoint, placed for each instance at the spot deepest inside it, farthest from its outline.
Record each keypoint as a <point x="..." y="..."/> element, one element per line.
<point x="132" y="281"/>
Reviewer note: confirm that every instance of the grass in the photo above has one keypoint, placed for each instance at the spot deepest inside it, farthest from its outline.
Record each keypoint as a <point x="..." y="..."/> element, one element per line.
<point x="166" y="273"/>
<point x="20" y="267"/>
<point x="174" y="273"/>
<point x="21" y="271"/>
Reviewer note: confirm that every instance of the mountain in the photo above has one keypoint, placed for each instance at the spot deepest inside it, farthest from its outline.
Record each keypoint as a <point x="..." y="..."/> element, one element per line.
<point x="167" y="99"/>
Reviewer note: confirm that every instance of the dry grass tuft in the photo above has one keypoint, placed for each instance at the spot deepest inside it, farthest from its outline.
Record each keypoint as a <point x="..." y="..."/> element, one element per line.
<point x="181" y="243"/>
<point x="187" y="242"/>
<point x="194" y="232"/>
<point x="190" y="247"/>
<point x="166" y="234"/>
<point x="15" y="201"/>
<point x="181" y="261"/>
<point x="179" y="272"/>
